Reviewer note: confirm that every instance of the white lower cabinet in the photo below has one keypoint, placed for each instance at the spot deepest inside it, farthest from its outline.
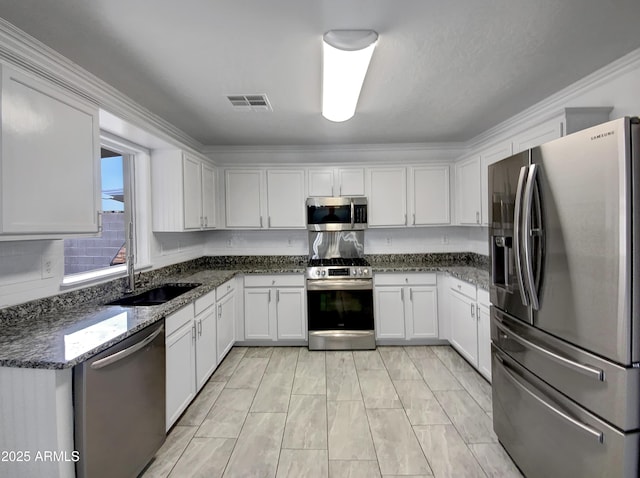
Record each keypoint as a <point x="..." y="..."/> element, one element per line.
<point x="469" y="323"/>
<point x="226" y="318"/>
<point x="205" y="334"/>
<point x="180" y="363"/>
<point x="274" y="307"/>
<point x="484" y="334"/>
<point x="406" y="306"/>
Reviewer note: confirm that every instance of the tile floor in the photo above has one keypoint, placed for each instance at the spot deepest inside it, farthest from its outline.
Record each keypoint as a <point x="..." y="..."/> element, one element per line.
<point x="288" y="412"/>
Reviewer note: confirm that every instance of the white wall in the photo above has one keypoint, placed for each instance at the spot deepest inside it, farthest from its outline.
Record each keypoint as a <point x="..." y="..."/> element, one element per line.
<point x="377" y="241"/>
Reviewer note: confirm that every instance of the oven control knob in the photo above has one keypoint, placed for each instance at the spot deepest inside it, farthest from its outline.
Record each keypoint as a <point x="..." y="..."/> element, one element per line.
<point x="354" y="272"/>
<point x="359" y="271"/>
<point x="323" y="273"/>
<point x="366" y="272"/>
<point x="318" y="273"/>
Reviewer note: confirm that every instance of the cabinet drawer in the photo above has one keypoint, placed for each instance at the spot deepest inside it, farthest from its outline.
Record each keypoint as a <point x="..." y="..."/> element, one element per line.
<point x="280" y="280"/>
<point x="225" y="288"/>
<point x="405" y="278"/>
<point x="483" y="297"/>
<point x="465" y="288"/>
<point x="178" y="319"/>
<point x="205" y="302"/>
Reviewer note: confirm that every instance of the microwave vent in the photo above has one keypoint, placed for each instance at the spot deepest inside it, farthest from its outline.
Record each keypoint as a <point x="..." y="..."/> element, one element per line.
<point x="250" y="102"/>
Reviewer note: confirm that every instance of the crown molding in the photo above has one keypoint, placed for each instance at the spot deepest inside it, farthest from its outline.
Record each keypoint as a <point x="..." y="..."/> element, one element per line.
<point x="336" y="148"/>
<point x="22" y="50"/>
<point x="556" y="104"/>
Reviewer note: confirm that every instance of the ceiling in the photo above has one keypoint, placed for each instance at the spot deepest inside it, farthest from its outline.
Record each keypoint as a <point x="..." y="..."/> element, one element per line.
<point x="442" y="71"/>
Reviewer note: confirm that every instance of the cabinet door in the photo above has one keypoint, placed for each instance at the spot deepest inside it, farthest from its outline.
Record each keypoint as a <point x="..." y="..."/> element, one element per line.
<point x="192" y="190"/>
<point x="321" y="182"/>
<point x="257" y="302"/>
<point x="488" y="157"/>
<point x="429" y="195"/>
<point x="286" y="199"/>
<point x="226" y="324"/>
<point x="484" y="341"/>
<point x="389" y="312"/>
<point x="387" y="196"/>
<point x="468" y="191"/>
<point x="350" y="182"/>
<point x="180" y="363"/>
<point x="291" y="314"/>
<point x="243" y="193"/>
<point x="209" y="196"/>
<point x="50" y="159"/>
<point x="206" y="356"/>
<point x="540" y="134"/>
<point x="464" y="328"/>
<point x="422" y="313"/>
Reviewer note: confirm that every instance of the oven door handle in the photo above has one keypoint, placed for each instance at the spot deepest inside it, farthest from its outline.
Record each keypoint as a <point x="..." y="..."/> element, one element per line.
<point x="338" y="284"/>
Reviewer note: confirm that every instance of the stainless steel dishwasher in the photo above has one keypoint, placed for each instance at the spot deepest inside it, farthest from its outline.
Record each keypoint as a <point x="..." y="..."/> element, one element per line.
<point x="119" y="406"/>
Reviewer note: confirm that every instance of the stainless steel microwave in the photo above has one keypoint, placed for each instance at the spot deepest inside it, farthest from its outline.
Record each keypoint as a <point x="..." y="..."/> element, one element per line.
<point x="336" y="213"/>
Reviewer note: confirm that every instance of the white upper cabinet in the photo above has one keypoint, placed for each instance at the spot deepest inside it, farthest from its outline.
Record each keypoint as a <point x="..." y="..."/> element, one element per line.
<point x="468" y="191"/>
<point x="182" y="192"/>
<point x="387" y="196"/>
<point x="243" y="194"/>
<point x="49" y="159"/>
<point x="328" y="182"/>
<point x="286" y="198"/>
<point x="428" y="196"/>
<point x="490" y="156"/>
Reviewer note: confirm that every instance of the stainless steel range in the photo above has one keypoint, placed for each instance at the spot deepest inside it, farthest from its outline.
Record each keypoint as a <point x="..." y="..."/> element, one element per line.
<point x="339" y="292"/>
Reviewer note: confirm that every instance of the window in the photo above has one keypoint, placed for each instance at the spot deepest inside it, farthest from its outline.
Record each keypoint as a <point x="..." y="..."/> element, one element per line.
<point x="87" y="258"/>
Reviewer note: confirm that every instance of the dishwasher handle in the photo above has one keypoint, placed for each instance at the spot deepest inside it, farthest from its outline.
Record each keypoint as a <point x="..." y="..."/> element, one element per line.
<point x="110" y="359"/>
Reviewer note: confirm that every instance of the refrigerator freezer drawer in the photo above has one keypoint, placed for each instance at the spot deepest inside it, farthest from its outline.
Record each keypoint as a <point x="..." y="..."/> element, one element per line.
<point x="608" y="390"/>
<point x="547" y="434"/>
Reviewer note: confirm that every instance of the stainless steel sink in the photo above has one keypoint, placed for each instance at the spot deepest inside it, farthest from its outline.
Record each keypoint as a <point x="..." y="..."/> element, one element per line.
<point x="156" y="296"/>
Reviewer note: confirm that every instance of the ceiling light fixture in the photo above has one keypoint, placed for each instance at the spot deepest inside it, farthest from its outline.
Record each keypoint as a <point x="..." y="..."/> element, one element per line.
<point x="346" y="57"/>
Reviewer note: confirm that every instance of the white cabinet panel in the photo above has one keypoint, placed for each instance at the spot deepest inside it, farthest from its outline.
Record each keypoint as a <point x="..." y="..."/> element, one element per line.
<point x="468" y="201"/>
<point x="290" y="312"/>
<point x="389" y="312"/>
<point x="320" y="182"/>
<point x="286" y="199"/>
<point x="257" y="303"/>
<point x="243" y="194"/>
<point x="180" y="363"/>
<point x="350" y="182"/>
<point x="206" y="356"/>
<point x="464" y="327"/>
<point x="226" y="325"/>
<point x="209" y="202"/>
<point x="540" y="134"/>
<point x="387" y="196"/>
<point x="484" y="340"/>
<point x="429" y="195"/>
<point x="422" y="313"/>
<point x="192" y="181"/>
<point x="50" y="160"/>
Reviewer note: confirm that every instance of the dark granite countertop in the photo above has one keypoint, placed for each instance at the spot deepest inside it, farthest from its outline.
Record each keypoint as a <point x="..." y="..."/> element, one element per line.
<point x="62" y="331"/>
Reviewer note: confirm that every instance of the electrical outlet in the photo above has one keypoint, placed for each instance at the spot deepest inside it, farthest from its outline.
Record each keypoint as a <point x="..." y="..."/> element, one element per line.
<point x="230" y="242"/>
<point x="290" y="241"/>
<point x="388" y="241"/>
<point x="445" y="239"/>
<point x="47" y="268"/>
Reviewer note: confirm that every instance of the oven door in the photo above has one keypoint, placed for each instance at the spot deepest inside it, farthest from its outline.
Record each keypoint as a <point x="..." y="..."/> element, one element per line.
<point x="340" y="304"/>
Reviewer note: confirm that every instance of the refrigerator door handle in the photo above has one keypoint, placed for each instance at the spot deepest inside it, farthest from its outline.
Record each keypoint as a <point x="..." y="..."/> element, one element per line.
<point x="581" y="368"/>
<point x="527" y="236"/>
<point x="597" y="434"/>
<point x="517" y="234"/>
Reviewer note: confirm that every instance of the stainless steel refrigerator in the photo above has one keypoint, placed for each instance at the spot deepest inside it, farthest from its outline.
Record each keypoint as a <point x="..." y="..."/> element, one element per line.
<point x="565" y="292"/>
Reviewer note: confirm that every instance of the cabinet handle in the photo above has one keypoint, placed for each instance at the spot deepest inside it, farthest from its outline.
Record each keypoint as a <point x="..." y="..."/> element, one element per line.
<point x="414" y="219"/>
<point x="200" y="327"/>
<point x="277" y="295"/>
<point x="472" y="310"/>
<point x="260" y="221"/>
<point x="405" y="219"/>
<point x="206" y="221"/>
<point x="220" y="311"/>
<point x="269" y="295"/>
<point x="193" y="332"/>
<point x="99" y="224"/>
<point x="477" y="217"/>
<point x="402" y="294"/>
<point x="340" y="190"/>
<point x="411" y="294"/>
<point x="268" y="221"/>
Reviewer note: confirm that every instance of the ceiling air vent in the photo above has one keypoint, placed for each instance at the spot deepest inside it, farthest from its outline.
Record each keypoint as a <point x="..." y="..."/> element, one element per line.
<point x="250" y="102"/>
